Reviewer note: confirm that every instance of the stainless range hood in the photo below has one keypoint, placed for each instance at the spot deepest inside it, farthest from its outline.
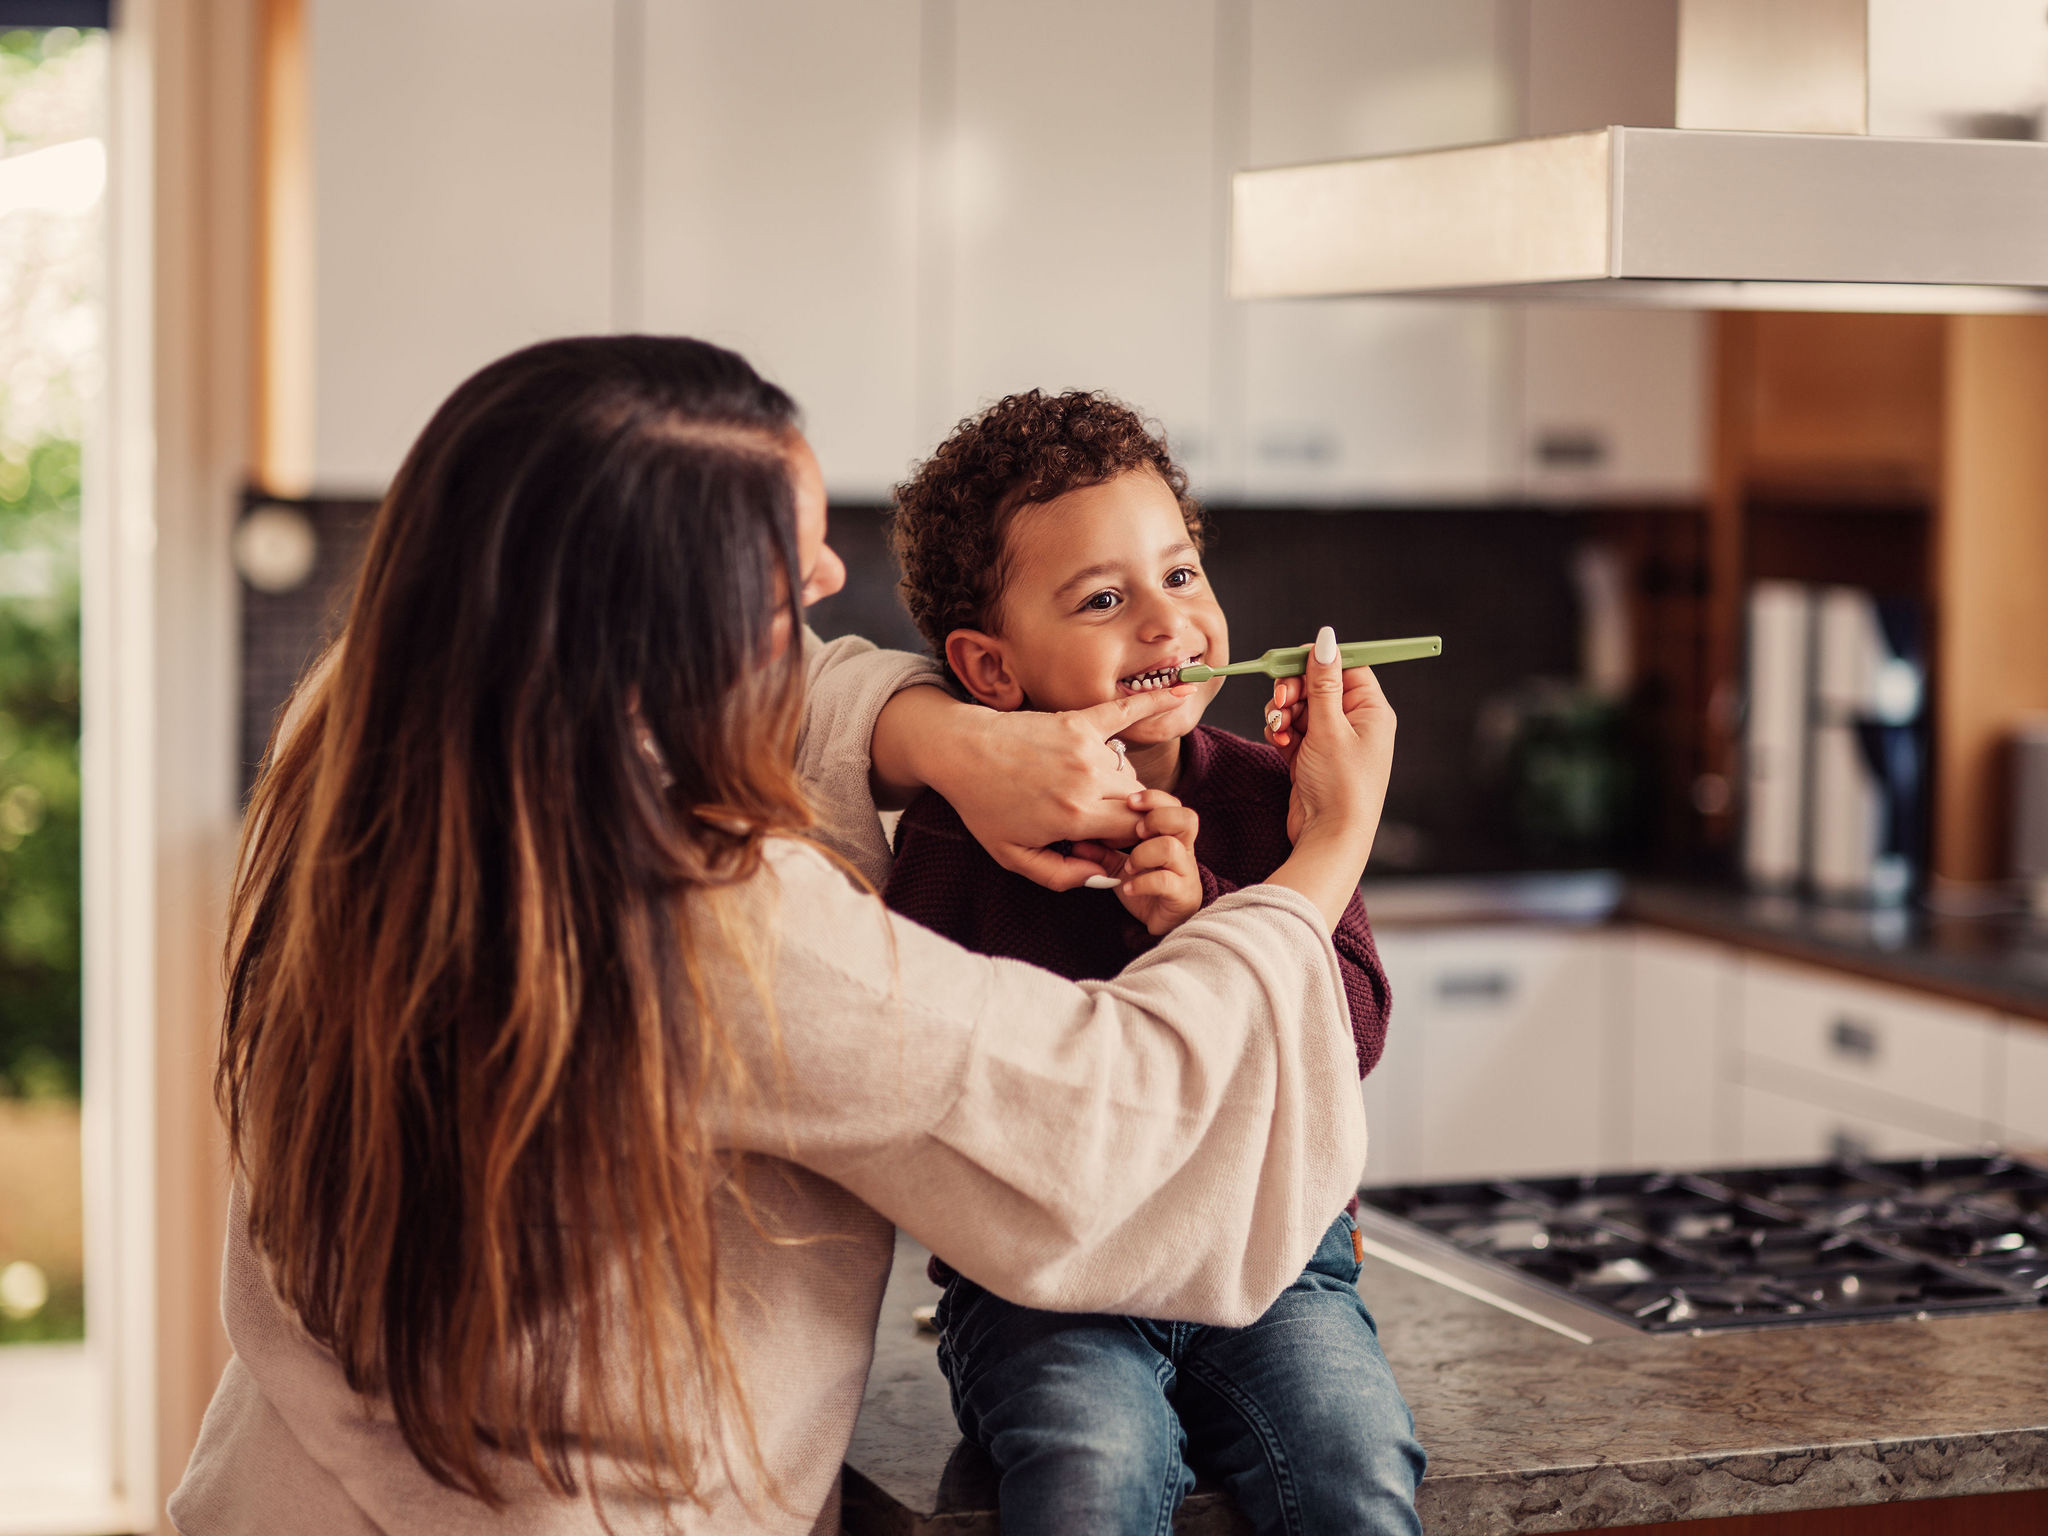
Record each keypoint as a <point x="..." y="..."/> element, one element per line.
<point x="1767" y="193"/>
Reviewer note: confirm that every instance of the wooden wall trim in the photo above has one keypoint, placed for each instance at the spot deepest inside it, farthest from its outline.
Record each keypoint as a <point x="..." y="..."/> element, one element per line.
<point x="282" y="396"/>
<point x="1991" y="577"/>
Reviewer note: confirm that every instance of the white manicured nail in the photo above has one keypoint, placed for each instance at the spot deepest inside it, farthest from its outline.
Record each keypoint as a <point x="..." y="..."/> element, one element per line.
<point x="1101" y="882"/>
<point x="1274" y="721"/>
<point x="1326" y="645"/>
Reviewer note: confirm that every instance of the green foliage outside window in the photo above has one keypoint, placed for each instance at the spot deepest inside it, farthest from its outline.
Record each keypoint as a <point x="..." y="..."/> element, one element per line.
<point x="52" y="106"/>
<point x="39" y="779"/>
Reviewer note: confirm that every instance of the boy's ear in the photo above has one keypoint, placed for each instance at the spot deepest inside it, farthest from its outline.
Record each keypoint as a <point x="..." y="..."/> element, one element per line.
<point x="977" y="660"/>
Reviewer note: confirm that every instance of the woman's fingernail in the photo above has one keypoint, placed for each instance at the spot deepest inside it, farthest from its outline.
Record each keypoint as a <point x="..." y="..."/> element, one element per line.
<point x="1100" y="882"/>
<point x="1274" y="721"/>
<point x="1135" y="800"/>
<point x="1326" y="645"/>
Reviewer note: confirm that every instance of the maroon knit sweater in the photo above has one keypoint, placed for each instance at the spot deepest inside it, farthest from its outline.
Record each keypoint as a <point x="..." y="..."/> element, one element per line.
<point x="945" y="880"/>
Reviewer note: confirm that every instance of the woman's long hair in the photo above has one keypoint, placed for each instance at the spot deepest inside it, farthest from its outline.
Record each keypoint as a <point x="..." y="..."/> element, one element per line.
<point x="468" y="1037"/>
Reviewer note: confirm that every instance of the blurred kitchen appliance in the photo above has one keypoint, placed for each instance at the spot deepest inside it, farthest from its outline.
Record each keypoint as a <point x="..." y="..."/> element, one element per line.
<point x="1864" y="748"/>
<point x="1834" y="750"/>
<point x="1774" y="743"/>
<point x="2030" y="810"/>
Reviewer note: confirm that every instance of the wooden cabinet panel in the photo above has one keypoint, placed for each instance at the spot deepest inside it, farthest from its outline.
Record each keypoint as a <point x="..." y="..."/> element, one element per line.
<point x="462" y="167"/>
<point x="1846" y="402"/>
<point x="779" y="198"/>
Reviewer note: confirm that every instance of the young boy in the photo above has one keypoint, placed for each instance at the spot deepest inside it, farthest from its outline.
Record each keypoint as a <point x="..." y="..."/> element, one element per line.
<point x="1052" y="558"/>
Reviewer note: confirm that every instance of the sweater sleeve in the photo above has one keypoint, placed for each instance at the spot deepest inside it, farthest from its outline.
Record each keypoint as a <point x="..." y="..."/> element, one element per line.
<point x="846" y="683"/>
<point x="1366" y="989"/>
<point x="1171" y="1142"/>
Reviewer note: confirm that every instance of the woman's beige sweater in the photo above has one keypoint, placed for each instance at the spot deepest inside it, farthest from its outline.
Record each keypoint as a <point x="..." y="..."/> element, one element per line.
<point x="1169" y="1143"/>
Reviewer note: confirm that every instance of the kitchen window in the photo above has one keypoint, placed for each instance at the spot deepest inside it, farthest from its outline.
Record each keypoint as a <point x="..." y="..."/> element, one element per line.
<point x="69" y="1272"/>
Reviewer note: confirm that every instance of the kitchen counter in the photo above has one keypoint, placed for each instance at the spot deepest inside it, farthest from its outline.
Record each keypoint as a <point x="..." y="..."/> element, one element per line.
<point x="1528" y="1431"/>
<point x="1995" y="962"/>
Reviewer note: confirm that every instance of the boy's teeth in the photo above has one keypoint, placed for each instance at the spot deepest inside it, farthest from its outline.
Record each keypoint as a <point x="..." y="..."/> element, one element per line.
<point x="1162" y="677"/>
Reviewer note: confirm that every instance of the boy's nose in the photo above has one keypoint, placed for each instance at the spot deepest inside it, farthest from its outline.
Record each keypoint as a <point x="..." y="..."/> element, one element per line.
<point x="1158" y="619"/>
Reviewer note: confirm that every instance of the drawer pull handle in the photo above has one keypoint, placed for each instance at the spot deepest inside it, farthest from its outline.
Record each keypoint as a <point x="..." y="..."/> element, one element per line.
<point x="1850" y="1038"/>
<point x="1475" y="986"/>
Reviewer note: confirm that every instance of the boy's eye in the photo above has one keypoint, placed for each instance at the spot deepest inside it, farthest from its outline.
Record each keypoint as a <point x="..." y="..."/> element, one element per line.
<point x="1100" y="602"/>
<point x="1181" y="576"/>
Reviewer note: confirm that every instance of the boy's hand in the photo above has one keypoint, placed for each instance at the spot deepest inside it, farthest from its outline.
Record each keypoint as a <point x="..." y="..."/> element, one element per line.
<point x="1158" y="882"/>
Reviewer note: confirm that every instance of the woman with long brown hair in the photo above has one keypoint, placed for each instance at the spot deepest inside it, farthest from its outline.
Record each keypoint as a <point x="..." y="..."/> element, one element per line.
<point x="573" y="1079"/>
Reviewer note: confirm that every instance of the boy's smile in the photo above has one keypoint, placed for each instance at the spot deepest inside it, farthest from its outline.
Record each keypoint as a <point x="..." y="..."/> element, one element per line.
<point x="1104" y="596"/>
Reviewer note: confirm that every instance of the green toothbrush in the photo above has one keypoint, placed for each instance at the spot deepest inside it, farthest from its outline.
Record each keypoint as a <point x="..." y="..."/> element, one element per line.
<point x="1292" y="660"/>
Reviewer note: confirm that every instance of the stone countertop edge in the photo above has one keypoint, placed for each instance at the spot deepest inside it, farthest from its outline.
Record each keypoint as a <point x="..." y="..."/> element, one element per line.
<point x="1531" y="1432"/>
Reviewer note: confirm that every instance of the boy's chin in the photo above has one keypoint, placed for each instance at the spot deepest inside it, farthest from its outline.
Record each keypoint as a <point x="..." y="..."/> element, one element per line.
<point x="1171" y="725"/>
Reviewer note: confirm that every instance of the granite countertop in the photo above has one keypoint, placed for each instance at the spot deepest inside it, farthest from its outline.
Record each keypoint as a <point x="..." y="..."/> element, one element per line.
<point x="1998" y="962"/>
<point x="1529" y="1431"/>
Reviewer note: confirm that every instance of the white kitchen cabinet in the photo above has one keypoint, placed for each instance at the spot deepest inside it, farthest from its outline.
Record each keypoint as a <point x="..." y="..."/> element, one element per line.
<point x="463" y="205"/>
<point x="1504" y="1045"/>
<point x="2019" y="1104"/>
<point x="1613" y="403"/>
<point x="1084" y="200"/>
<point x="1393" y="1089"/>
<point x="1776" y="1127"/>
<point x="1882" y="1050"/>
<point x="779" y="212"/>
<point x="1381" y="399"/>
<point x="1677" y="1002"/>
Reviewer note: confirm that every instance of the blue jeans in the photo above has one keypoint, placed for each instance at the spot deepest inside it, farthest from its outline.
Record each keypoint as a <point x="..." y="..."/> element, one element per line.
<point x="1092" y="1420"/>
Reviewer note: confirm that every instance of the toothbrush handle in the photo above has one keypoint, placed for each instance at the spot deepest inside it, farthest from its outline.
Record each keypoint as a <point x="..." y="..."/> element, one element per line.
<point x="1293" y="661"/>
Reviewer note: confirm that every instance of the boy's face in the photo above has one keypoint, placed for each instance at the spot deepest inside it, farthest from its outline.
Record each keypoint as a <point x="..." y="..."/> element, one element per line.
<point x="1104" y="587"/>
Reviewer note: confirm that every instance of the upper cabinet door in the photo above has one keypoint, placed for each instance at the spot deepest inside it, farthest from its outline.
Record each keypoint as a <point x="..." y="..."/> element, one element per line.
<point x="1081" y="191"/>
<point x="1614" y="403"/>
<point x="779" y="208"/>
<point x="462" y="162"/>
<point x="1378" y="399"/>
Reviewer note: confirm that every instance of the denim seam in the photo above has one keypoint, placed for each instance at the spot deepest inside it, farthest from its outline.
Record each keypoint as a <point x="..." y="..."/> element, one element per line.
<point x="1264" y="1432"/>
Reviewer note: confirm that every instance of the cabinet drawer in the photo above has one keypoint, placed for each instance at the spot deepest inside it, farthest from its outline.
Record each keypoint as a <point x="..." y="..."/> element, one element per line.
<point x="2021" y="1083"/>
<point x="1778" y="1128"/>
<point x="1874" y="1038"/>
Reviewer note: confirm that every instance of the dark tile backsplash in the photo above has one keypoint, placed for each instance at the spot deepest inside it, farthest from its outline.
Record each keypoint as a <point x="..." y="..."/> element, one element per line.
<point x="1495" y="582"/>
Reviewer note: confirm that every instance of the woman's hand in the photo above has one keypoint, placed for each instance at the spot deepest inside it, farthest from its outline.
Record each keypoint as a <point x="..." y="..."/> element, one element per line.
<point x="1362" y="739"/>
<point x="1338" y="734"/>
<point x="1021" y="779"/>
<point x="1158" y="881"/>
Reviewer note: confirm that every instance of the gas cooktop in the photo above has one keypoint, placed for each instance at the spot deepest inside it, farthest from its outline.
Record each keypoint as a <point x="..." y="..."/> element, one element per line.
<point x="1733" y="1247"/>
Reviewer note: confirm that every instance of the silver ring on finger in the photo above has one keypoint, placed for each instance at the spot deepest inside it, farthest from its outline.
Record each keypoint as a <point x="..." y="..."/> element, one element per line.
<point x="1117" y="746"/>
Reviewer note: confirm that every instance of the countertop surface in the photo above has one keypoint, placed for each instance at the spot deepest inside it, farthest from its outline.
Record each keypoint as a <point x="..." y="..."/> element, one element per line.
<point x="1999" y="962"/>
<point x="1996" y="962"/>
<point x="1529" y="1431"/>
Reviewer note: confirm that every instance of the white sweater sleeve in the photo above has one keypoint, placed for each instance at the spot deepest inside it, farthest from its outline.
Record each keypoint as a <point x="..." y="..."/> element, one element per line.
<point x="1172" y="1142"/>
<point x="846" y="683"/>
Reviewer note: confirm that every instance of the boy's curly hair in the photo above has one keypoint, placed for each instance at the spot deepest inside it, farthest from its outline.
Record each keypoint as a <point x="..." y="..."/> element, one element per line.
<point x="953" y="514"/>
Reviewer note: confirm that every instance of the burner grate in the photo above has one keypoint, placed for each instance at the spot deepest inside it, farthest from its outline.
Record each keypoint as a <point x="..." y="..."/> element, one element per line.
<point x="1746" y="1247"/>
